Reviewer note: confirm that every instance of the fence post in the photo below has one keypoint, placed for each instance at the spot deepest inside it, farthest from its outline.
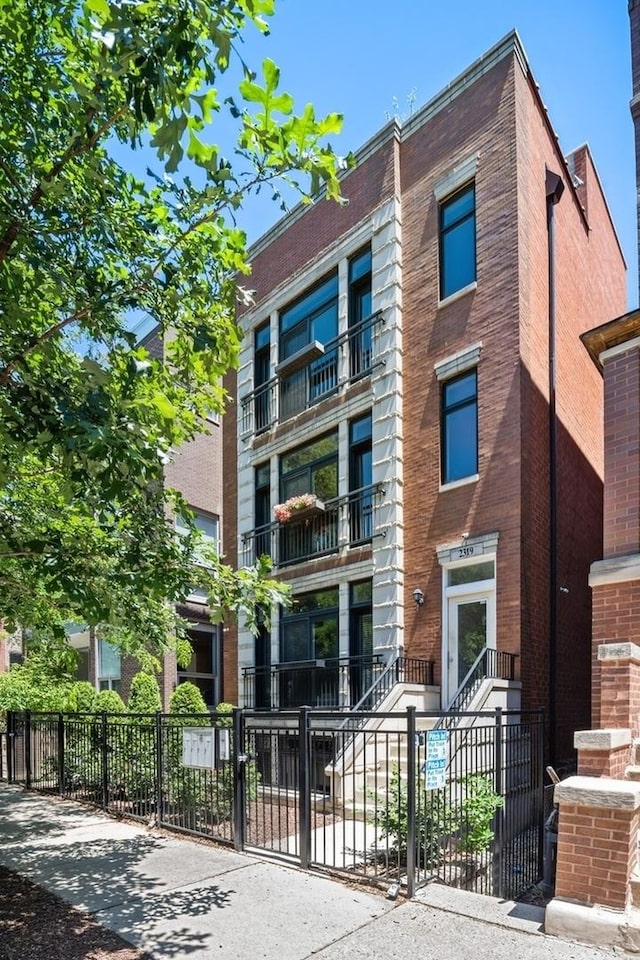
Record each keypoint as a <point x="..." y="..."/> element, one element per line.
<point x="239" y="768"/>
<point x="105" y="759"/>
<point x="539" y="741"/>
<point x="27" y="749"/>
<point x="411" y="801"/>
<point x="61" y="754"/>
<point x="11" y="733"/>
<point x="498" y="877"/>
<point x="304" y="787"/>
<point x="159" y="771"/>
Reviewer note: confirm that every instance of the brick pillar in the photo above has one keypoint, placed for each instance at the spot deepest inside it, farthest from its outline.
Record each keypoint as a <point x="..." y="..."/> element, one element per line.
<point x="616" y="622"/>
<point x="620" y="686"/>
<point x="603" y="753"/>
<point x="597" y="856"/>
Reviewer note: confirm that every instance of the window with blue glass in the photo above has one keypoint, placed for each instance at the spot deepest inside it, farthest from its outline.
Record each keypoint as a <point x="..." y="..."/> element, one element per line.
<point x="458" y="241"/>
<point x="459" y="428"/>
<point x="359" y="314"/>
<point x="314" y="316"/>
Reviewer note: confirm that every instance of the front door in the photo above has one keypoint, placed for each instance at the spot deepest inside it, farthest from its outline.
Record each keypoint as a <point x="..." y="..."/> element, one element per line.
<point x="468" y="635"/>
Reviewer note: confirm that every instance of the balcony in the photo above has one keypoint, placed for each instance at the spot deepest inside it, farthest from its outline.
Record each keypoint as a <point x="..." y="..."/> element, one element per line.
<point x="310" y="377"/>
<point x="351" y="520"/>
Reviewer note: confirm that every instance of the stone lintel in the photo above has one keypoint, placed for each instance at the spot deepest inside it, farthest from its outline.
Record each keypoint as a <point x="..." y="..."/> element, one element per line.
<point x="601" y="792"/>
<point x="619" y="651"/>
<point x="601" y="739"/>
<point x="615" y="570"/>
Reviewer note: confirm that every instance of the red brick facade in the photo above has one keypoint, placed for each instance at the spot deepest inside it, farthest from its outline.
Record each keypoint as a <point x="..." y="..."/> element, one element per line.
<point x="499" y="122"/>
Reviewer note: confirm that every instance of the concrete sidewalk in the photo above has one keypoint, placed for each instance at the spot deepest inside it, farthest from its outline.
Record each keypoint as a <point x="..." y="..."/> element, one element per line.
<point x="183" y="899"/>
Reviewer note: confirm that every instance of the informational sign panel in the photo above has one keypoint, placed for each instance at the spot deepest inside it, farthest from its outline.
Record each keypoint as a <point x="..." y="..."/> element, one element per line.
<point x="204" y="747"/>
<point x="437" y="755"/>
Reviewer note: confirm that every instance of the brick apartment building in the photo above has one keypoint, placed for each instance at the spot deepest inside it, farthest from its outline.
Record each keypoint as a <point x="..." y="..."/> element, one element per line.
<point x="412" y="359"/>
<point x="196" y="471"/>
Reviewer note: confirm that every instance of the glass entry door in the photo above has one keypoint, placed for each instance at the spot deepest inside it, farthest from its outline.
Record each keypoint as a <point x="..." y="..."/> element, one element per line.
<point x="467" y="637"/>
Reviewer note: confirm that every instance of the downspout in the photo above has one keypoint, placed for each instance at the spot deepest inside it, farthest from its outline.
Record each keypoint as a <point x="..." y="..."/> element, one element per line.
<point x="554" y="190"/>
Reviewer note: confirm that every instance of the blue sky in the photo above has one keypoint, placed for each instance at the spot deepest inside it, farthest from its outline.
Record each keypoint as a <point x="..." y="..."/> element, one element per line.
<point x="356" y="56"/>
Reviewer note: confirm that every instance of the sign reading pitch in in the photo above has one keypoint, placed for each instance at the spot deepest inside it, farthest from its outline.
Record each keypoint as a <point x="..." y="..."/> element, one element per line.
<point x="435" y="765"/>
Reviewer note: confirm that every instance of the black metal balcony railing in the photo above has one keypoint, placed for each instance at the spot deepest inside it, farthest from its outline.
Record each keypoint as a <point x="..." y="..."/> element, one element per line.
<point x="283" y="397"/>
<point x="331" y="683"/>
<point x="349" y="520"/>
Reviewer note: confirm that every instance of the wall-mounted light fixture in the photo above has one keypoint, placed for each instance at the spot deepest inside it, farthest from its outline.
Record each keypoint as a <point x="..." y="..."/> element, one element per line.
<point x="418" y="596"/>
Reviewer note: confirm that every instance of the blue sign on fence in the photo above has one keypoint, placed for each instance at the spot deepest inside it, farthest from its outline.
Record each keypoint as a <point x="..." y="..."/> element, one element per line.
<point x="437" y="753"/>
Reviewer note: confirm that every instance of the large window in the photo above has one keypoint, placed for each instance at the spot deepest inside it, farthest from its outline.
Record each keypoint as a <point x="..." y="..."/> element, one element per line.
<point x="312" y="468"/>
<point x="309" y="632"/>
<point x="262" y="369"/>
<point x="360" y="474"/>
<point x="208" y="525"/>
<point x="204" y="668"/>
<point x="459" y="429"/>
<point x="360" y="640"/>
<point x="262" y="507"/>
<point x="313" y="316"/>
<point x="359" y="312"/>
<point x="458" y="241"/>
<point x="109" y="666"/>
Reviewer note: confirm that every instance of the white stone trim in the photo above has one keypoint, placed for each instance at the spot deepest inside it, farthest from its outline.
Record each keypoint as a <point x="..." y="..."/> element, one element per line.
<point x="598" y="792"/>
<point x="451" y="181"/>
<point x="482" y="546"/>
<point x="462" y="292"/>
<point x="601" y="739"/>
<point x="619" y="651"/>
<point x="458" y="362"/>
<point x="615" y="570"/>
<point x="619" y="349"/>
<point x="454" y="484"/>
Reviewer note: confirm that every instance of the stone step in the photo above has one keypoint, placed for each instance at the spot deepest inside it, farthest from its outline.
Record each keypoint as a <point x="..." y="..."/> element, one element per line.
<point x="632" y="772"/>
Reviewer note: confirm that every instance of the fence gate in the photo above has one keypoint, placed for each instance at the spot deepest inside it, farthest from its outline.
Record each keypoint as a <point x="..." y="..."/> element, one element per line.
<point x="348" y="793"/>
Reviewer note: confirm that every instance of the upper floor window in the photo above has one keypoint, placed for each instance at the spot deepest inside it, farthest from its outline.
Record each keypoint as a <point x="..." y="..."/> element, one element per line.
<point x="312" y="468"/>
<point x="359" y="311"/>
<point x="314" y="316"/>
<point x="459" y="427"/>
<point x="458" y="241"/>
<point x="109" y="666"/>
<point x="208" y="526"/>
<point x="262" y="369"/>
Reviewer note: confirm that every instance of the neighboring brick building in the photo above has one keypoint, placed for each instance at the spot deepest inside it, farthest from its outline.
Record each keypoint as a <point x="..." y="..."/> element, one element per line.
<point x="615" y="579"/>
<point x="397" y="364"/>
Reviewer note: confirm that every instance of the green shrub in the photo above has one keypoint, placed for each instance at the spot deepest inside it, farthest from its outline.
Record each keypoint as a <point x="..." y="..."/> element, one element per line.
<point x="439" y="818"/>
<point x="187" y="699"/>
<point x="80" y="698"/>
<point x="144" y="695"/>
<point x="109" y="701"/>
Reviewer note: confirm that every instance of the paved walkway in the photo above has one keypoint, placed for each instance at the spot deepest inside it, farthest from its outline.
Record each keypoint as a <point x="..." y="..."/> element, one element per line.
<point x="188" y="900"/>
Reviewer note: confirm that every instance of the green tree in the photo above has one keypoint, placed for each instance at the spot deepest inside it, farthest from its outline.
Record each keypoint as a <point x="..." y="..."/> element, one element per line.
<point x="88" y="418"/>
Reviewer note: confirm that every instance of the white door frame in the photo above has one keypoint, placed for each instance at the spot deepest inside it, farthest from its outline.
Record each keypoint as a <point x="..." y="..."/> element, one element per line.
<point x="451" y="597"/>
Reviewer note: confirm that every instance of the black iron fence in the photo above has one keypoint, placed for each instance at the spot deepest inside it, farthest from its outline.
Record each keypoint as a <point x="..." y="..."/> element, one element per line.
<point x="384" y="797"/>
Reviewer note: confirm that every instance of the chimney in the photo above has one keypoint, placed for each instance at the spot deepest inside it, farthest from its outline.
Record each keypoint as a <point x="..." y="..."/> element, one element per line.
<point x="634" y="18"/>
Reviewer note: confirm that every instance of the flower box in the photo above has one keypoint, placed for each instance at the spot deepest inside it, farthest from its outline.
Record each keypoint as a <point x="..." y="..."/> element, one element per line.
<point x="301" y="507"/>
